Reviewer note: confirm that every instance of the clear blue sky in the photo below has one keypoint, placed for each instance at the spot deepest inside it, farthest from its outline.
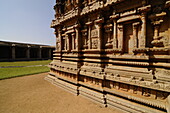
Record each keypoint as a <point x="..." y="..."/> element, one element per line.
<point x="27" y="21"/>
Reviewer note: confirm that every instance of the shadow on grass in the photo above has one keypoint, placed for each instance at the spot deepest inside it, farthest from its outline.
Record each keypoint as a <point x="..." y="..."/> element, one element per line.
<point x="23" y="75"/>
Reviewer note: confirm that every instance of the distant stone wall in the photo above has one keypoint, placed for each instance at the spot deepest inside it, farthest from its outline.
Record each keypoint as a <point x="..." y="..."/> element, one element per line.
<point x="116" y="52"/>
<point x="12" y="51"/>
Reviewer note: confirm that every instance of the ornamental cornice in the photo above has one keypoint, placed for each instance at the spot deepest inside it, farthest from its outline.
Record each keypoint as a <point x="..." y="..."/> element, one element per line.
<point x="127" y="18"/>
<point x="144" y="8"/>
<point x="114" y="16"/>
<point x="69" y="15"/>
<point x="128" y="13"/>
<point x="92" y="7"/>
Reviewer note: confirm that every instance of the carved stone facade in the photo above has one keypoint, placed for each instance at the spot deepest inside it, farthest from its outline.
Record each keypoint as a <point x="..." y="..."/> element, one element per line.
<point x="116" y="52"/>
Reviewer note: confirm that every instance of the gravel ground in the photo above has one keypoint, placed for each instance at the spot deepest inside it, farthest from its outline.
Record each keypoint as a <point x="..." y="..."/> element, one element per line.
<point x="33" y="94"/>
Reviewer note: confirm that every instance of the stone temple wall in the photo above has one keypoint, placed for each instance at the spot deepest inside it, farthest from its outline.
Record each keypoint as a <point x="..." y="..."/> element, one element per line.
<point x="115" y="52"/>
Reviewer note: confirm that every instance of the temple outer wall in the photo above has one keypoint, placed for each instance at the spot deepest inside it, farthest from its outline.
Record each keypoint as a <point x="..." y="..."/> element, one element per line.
<point x="115" y="52"/>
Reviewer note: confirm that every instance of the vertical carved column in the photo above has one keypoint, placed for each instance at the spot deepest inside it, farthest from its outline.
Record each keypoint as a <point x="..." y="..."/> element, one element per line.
<point x="115" y="33"/>
<point x="57" y="41"/>
<point x="115" y="41"/>
<point x="73" y="41"/>
<point x="60" y="40"/>
<point x="109" y="37"/>
<point x="67" y="42"/>
<point x="89" y="24"/>
<point x="99" y="27"/>
<point x="78" y="45"/>
<point x="143" y="10"/>
<point x="89" y="36"/>
<point x="13" y="52"/>
<point x="135" y="34"/>
<point x="77" y="41"/>
<point x="28" y="52"/>
<point x="120" y="35"/>
<point x="143" y="31"/>
<point x="85" y="39"/>
<point x="98" y="24"/>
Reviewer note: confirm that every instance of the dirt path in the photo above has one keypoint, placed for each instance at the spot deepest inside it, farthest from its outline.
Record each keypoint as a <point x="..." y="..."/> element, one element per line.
<point x="32" y="94"/>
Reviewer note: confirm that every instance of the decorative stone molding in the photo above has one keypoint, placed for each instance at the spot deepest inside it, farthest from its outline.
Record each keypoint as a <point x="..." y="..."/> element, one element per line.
<point x="96" y="5"/>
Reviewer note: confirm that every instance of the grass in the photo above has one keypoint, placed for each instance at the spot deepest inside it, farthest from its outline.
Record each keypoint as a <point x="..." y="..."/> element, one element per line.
<point x="25" y="63"/>
<point x="21" y="71"/>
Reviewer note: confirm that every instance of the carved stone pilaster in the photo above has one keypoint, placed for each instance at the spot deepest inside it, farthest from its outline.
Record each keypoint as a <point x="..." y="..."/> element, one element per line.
<point x="115" y="33"/>
<point x="77" y="37"/>
<point x="73" y="41"/>
<point x="120" y="36"/>
<point x="142" y="40"/>
<point x="142" y="43"/>
<point x="135" y="34"/>
<point x="68" y="42"/>
<point x="60" y="42"/>
<point x="65" y="42"/>
<point x="98" y="24"/>
<point x="114" y="17"/>
<point x="89" y="36"/>
<point x="99" y="36"/>
<point x="89" y="24"/>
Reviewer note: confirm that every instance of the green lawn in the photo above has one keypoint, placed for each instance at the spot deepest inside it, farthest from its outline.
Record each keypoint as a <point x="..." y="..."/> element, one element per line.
<point x="25" y="63"/>
<point x="21" y="71"/>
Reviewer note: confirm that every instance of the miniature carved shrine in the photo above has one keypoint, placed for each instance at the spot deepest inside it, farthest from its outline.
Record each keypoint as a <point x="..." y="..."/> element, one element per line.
<point x="116" y="52"/>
